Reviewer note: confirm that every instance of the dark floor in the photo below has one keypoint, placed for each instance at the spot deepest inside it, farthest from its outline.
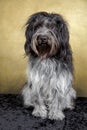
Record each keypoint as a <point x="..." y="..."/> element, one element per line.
<point x="13" y="116"/>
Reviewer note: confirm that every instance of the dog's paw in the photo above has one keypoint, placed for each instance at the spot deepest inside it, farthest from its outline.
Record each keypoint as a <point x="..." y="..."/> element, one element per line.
<point x="40" y="112"/>
<point x="70" y="107"/>
<point x="56" y="115"/>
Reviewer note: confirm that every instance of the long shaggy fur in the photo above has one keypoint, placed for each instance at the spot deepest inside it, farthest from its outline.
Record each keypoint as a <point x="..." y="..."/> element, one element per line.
<point x="50" y="68"/>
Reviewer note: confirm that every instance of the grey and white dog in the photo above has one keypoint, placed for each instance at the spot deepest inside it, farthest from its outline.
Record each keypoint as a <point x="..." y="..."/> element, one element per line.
<point x="50" y="67"/>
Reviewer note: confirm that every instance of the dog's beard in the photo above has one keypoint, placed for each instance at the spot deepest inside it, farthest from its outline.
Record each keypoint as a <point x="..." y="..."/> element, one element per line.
<point x="46" y="49"/>
<point x="43" y="50"/>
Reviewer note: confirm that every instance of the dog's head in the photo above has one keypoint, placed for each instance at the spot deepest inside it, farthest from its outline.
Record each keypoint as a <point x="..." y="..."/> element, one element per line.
<point x="46" y="35"/>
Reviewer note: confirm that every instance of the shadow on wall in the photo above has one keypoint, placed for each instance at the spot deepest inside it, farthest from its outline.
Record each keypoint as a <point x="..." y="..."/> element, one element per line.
<point x="14" y="14"/>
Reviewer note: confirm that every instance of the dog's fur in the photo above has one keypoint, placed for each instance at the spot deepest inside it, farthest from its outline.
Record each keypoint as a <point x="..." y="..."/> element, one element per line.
<point x="50" y="68"/>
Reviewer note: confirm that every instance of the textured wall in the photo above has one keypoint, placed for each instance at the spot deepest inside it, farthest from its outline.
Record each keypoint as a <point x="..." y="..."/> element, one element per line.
<point x="13" y="15"/>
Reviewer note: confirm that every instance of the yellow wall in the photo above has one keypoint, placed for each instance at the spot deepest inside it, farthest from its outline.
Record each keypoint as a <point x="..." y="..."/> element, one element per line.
<point x="13" y="15"/>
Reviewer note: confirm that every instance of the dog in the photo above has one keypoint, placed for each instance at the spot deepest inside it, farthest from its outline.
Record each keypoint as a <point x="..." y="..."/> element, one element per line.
<point x="50" y="67"/>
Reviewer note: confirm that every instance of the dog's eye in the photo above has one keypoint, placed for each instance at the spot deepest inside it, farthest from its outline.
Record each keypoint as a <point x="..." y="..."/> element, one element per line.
<point x="48" y="25"/>
<point x="37" y="26"/>
<point x="51" y="26"/>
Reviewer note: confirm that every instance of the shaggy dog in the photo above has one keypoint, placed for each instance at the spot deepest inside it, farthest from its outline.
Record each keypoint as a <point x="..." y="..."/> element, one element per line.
<point x="50" y="68"/>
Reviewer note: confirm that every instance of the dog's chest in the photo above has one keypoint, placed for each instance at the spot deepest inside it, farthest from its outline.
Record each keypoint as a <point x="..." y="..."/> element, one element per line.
<point x="47" y="77"/>
<point x="43" y="73"/>
<point x="43" y="76"/>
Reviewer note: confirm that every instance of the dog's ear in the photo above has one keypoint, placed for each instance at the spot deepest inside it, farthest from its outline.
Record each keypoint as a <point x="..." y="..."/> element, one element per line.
<point x="63" y="33"/>
<point x="28" y="34"/>
<point x="63" y="38"/>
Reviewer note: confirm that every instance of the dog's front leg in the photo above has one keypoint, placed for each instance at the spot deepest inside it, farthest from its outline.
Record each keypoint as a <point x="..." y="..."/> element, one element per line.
<point x="55" y="111"/>
<point x="39" y="107"/>
<point x="26" y="93"/>
<point x="40" y="111"/>
<point x="33" y="98"/>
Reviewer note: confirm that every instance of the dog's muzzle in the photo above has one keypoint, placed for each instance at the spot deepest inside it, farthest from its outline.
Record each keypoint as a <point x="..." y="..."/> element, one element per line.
<point x="44" y="44"/>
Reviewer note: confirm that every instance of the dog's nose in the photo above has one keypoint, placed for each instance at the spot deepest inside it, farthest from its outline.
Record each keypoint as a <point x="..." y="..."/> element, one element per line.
<point x="42" y="39"/>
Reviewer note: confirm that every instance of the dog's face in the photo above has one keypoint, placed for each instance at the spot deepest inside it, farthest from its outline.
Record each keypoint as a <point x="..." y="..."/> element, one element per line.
<point x="46" y="34"/>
